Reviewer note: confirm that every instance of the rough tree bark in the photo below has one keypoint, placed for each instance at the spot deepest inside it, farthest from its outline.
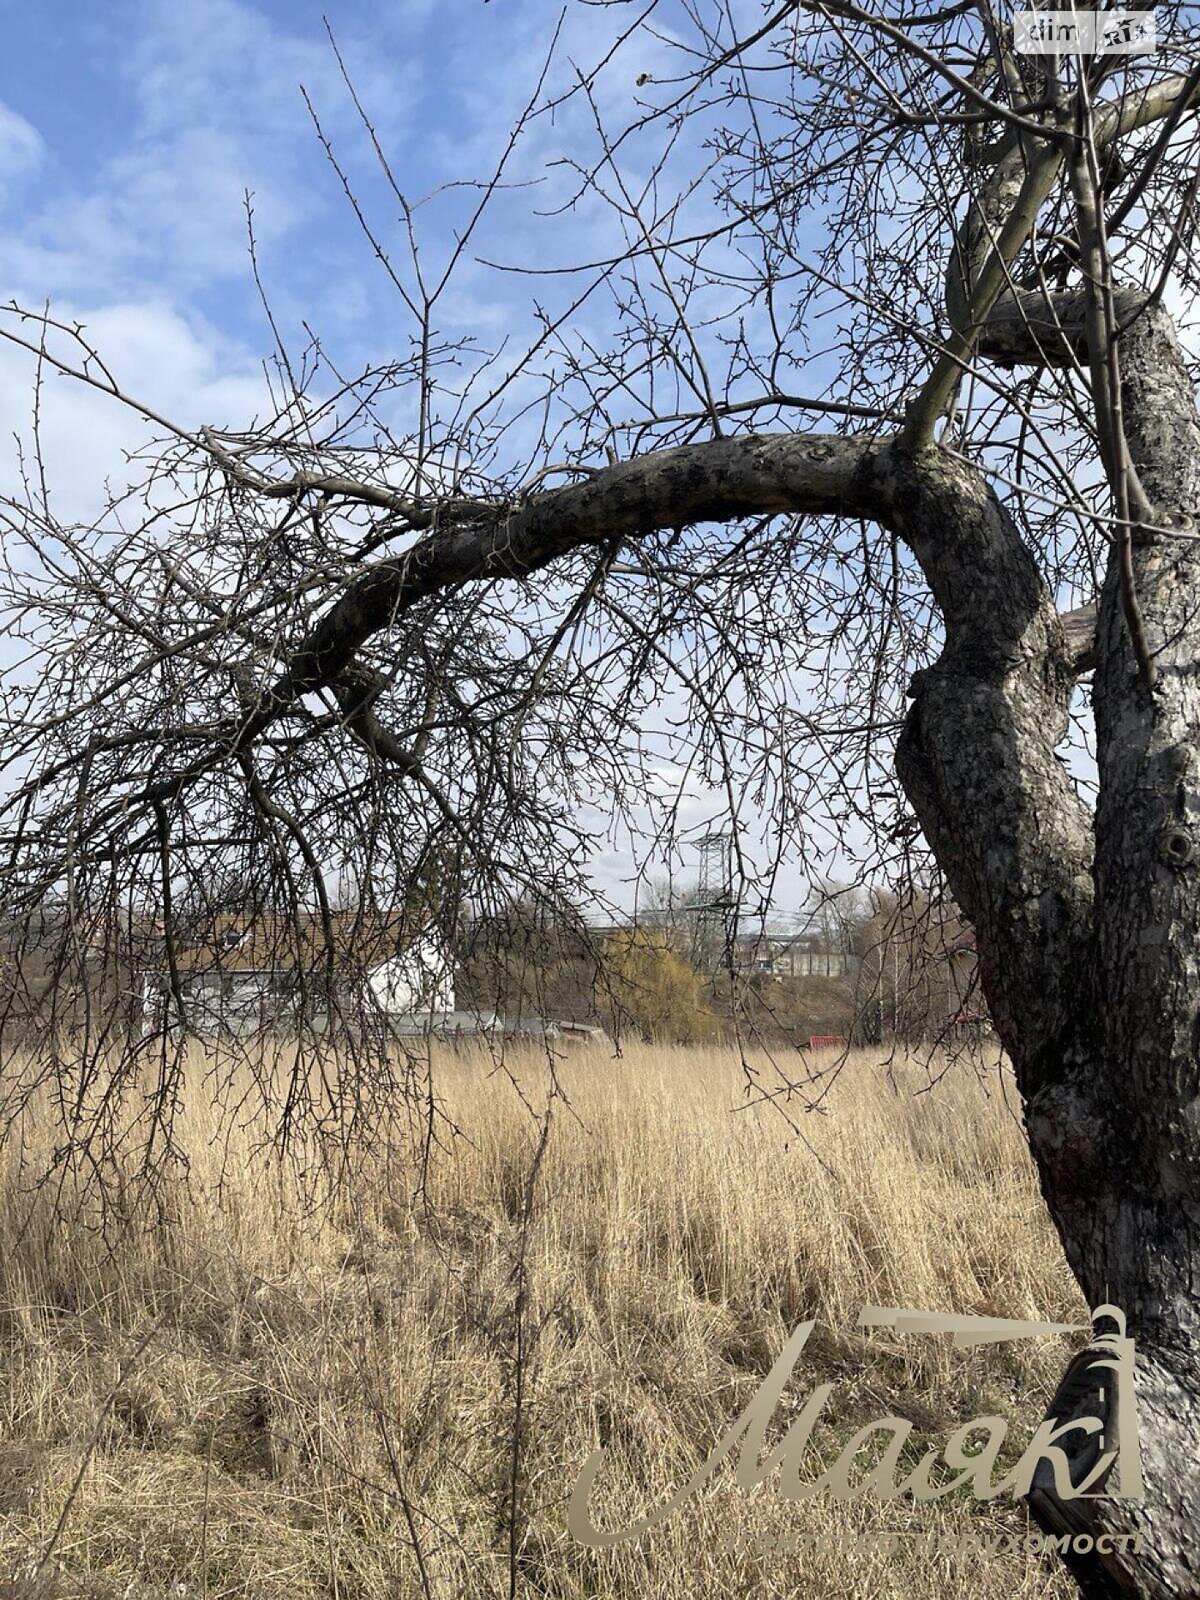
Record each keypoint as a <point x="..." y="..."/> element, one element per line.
<point x="1090" y="947"/>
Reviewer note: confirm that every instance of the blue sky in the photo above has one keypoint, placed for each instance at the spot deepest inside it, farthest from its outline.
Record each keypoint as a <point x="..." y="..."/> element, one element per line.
<point x="132" y="130"/>
<point x="130" y="133"/>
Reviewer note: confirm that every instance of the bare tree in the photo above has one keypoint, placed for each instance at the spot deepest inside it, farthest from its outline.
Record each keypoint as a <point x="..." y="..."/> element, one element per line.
<point x="340" y="643"/>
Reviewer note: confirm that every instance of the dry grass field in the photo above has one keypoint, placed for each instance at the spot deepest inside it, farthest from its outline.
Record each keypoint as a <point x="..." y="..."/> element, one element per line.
<point x="282" y="1379"/>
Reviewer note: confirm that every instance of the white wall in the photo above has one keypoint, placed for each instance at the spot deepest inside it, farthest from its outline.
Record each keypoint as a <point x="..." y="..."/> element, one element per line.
<point x="420" y="980"/>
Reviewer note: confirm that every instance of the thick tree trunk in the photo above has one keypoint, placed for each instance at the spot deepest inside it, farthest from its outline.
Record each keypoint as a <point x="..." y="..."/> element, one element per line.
<point x="1132" y="1232"/>
<point x="1107" y="1045"/>
<point x="1114" y="1126"/>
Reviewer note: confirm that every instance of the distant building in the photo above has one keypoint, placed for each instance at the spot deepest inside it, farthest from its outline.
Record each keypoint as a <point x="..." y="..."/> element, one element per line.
<point x="246" y="974"/>
<point x="813" y="952"/>
<point x="249" y="975"/>
<point x="800" y="955"/>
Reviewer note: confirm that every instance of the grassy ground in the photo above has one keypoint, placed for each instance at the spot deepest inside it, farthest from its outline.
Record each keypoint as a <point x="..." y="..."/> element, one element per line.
<point x="267" y="1383"/>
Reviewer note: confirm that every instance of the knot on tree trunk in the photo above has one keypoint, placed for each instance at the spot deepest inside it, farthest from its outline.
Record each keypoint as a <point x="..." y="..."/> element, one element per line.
<point x="1176" y="846"/>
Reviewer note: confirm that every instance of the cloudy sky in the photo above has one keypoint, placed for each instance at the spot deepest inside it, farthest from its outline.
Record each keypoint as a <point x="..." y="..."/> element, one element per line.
<point x="131" y="132"/>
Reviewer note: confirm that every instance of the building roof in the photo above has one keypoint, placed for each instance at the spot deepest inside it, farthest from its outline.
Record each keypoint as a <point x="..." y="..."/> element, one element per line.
<point x="231" y="942"/>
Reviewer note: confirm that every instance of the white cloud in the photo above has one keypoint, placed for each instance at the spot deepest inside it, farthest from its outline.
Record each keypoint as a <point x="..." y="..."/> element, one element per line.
<point x="215" y="109"/>
<point x="21" y="147"/>
<point x="181" y="369"/>
<point x="156" y="230"/>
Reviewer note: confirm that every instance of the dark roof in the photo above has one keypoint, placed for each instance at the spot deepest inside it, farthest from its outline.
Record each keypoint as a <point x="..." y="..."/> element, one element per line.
<point x="356" y="941"/>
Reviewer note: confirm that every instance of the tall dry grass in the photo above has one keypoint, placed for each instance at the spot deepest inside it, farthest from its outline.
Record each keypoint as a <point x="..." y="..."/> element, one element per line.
<point x="278" y="1378"/>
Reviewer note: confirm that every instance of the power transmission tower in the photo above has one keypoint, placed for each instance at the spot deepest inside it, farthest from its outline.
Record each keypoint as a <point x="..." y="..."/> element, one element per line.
<point x="716" y="905"/>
